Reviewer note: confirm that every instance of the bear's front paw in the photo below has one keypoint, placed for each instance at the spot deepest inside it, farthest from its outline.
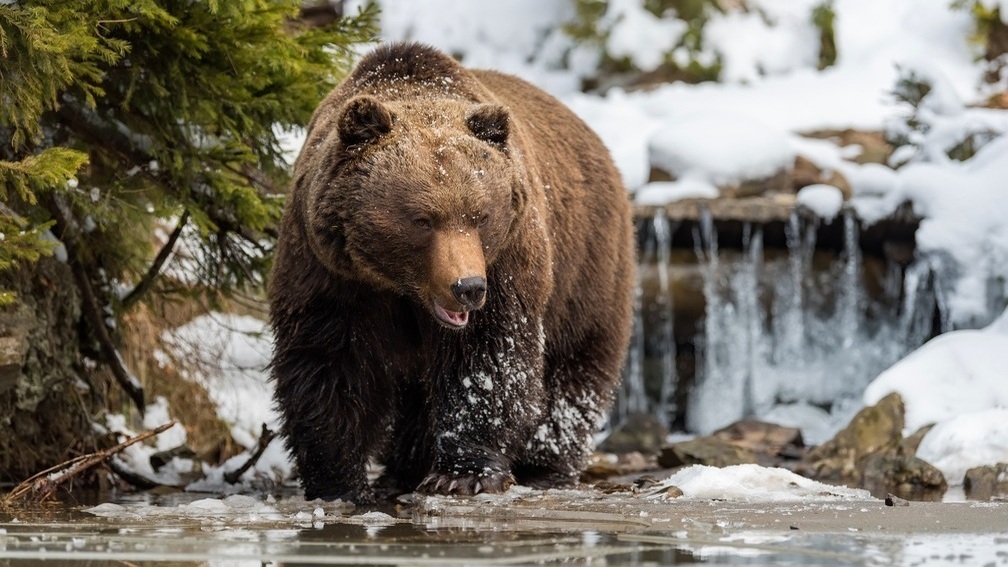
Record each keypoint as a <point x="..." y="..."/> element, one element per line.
<point x="490" y="481"/>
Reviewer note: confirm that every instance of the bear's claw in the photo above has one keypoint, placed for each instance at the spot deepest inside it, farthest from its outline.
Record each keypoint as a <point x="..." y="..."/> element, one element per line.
<point x="466" y="485"/>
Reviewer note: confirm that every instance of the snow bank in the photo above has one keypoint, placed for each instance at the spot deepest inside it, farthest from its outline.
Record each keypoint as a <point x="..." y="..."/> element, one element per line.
<point x="970" y="440"/>
<point x="724" y="148"/>
<point x="958" y="382"/>
<point x="227" y="354"/>
<point x="638" y="35"/>
<point x="663" y="192"/>
<point x="954" y="374"/>
<point x="753" y="483"/>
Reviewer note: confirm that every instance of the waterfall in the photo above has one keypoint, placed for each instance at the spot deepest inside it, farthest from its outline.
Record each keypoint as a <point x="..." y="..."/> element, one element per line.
<point x="793" y="338"/>
<point x="633" y="397"/>
<point x="805" y="358"/>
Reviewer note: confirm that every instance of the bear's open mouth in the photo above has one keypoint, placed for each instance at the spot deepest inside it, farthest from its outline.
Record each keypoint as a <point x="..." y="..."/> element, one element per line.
<point x="453" y="319"/>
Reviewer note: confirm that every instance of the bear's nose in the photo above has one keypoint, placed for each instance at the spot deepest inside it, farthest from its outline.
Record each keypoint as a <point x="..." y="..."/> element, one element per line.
<point x="470" y="291"/>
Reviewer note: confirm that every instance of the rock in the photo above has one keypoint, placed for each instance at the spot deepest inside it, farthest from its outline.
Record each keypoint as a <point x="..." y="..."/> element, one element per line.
<point x="709" y="450"/>
<point x="745" y="441"/>
<point x="873" y="145"/>
<point x="905" y="476"/>
<point x="871" y="453"/>
<point x="777" y="182"/>
<point x="909" y="445"/>
<point x="640" y="432"/>
<point x="875" y="429"/>
<point x="759" y="210"/>
<point x="987" y="482"/>
<point x="764" y="439"/>
<point x="672" y="492"/>
<point x="893" y="500"/>
<point x="16" y="324"/>
<point x="607" y="465"/>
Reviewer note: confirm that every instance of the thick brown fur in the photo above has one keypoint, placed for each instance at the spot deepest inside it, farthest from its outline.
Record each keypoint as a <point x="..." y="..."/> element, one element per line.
<point x="419" y="176"/>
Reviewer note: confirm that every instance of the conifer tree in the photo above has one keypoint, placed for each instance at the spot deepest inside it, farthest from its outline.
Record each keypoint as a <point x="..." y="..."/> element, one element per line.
<point x="116" y="115"/>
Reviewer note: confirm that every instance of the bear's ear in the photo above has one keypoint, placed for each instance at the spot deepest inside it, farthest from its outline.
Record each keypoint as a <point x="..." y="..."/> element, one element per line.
<point x="363" y="119"/>
<point x="490" y="123"/>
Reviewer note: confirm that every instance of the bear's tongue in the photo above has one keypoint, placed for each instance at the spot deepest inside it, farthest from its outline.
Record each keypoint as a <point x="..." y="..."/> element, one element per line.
<point x="451" y="318"/>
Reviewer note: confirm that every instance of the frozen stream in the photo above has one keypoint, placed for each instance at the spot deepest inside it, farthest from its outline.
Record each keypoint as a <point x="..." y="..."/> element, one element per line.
<point x="520" y="527"/>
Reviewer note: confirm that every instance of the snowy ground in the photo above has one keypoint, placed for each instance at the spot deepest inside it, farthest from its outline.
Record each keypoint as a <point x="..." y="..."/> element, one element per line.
<point x="748" y="125"/>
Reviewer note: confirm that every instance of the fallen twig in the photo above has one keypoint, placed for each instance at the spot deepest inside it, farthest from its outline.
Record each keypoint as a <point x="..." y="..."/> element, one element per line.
<point x="265" y="437"/>
<point x="43" y="485"/>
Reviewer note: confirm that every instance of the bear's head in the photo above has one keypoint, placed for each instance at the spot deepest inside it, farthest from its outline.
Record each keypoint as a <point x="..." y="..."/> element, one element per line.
<point x="419" y="199"/>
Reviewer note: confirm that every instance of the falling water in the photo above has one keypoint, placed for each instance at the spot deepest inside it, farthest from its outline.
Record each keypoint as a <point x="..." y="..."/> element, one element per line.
<point x="666" y="344"/>
<point x="632" y="397"/>
<point x="659" y="340"/>
<point x="781" y="339"/>
<point x="806" y="358"/>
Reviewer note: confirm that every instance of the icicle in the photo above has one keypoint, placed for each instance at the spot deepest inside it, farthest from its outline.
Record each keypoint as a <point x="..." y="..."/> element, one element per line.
<point x="789" y="335"/>
<point x="666" y="333"/>
<point x="849" y="301"/>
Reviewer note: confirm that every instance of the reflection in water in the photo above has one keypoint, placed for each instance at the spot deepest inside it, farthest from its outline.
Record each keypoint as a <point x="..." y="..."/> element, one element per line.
<point x="564" y="528"/>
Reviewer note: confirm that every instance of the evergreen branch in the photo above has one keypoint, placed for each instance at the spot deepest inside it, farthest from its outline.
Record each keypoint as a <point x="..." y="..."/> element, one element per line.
<point x="147" y="280"/>
<point x="90" y="306"/>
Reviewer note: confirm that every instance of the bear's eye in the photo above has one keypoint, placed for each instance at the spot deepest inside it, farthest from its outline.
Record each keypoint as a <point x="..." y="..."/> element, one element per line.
<point x="423" y="223"/>
<point x="483" y="219"/>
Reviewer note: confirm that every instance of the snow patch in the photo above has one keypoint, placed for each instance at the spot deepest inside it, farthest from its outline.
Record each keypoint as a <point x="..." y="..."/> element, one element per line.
<point x="958" y="373"/>
<point x="823" y="200"/>
<point x="723" y="148"/>
<point x="753" y="483"/>
<point x="970" y="440"/>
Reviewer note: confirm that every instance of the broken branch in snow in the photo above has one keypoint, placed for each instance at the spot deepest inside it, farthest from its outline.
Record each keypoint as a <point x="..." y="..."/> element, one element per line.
<point x="43" y="485"/>
<point x="265" y="437"/>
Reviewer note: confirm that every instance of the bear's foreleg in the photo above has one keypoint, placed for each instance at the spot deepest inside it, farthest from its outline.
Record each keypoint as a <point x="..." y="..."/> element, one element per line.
<point x="333" y="418"/>
<point x="580" y="390"/>
<point x="490" y="396"/>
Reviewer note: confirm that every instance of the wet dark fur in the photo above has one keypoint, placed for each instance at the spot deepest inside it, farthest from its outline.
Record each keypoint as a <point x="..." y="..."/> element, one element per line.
<point x="363" y="370"/>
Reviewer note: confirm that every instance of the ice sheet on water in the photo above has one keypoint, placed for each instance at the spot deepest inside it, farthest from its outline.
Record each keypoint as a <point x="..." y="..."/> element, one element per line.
<point x="236" y="510"/>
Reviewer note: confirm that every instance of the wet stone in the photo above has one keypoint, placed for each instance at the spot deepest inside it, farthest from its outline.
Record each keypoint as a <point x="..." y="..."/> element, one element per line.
<point x="987" y="482"/>
<point x="874" y="430"/>
<point x="640" y="432"/>
<point x="711" y="451"/>
<point x="907" y="477"/>
<point x="770" y="442"/>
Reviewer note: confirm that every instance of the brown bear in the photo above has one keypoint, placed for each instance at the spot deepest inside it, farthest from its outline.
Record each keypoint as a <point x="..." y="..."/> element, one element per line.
<point x="452" y="288"/>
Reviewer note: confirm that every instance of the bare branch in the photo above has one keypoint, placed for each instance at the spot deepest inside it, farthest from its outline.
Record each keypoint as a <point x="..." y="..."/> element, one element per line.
<point x="147" y="281"/>
<point x="265" y="437"/>
<point x="44" y="484"/>
<point x="91" y="308"/>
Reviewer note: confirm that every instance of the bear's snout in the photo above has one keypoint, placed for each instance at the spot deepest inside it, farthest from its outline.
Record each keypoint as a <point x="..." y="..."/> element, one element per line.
<point x="470" y="291"/>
